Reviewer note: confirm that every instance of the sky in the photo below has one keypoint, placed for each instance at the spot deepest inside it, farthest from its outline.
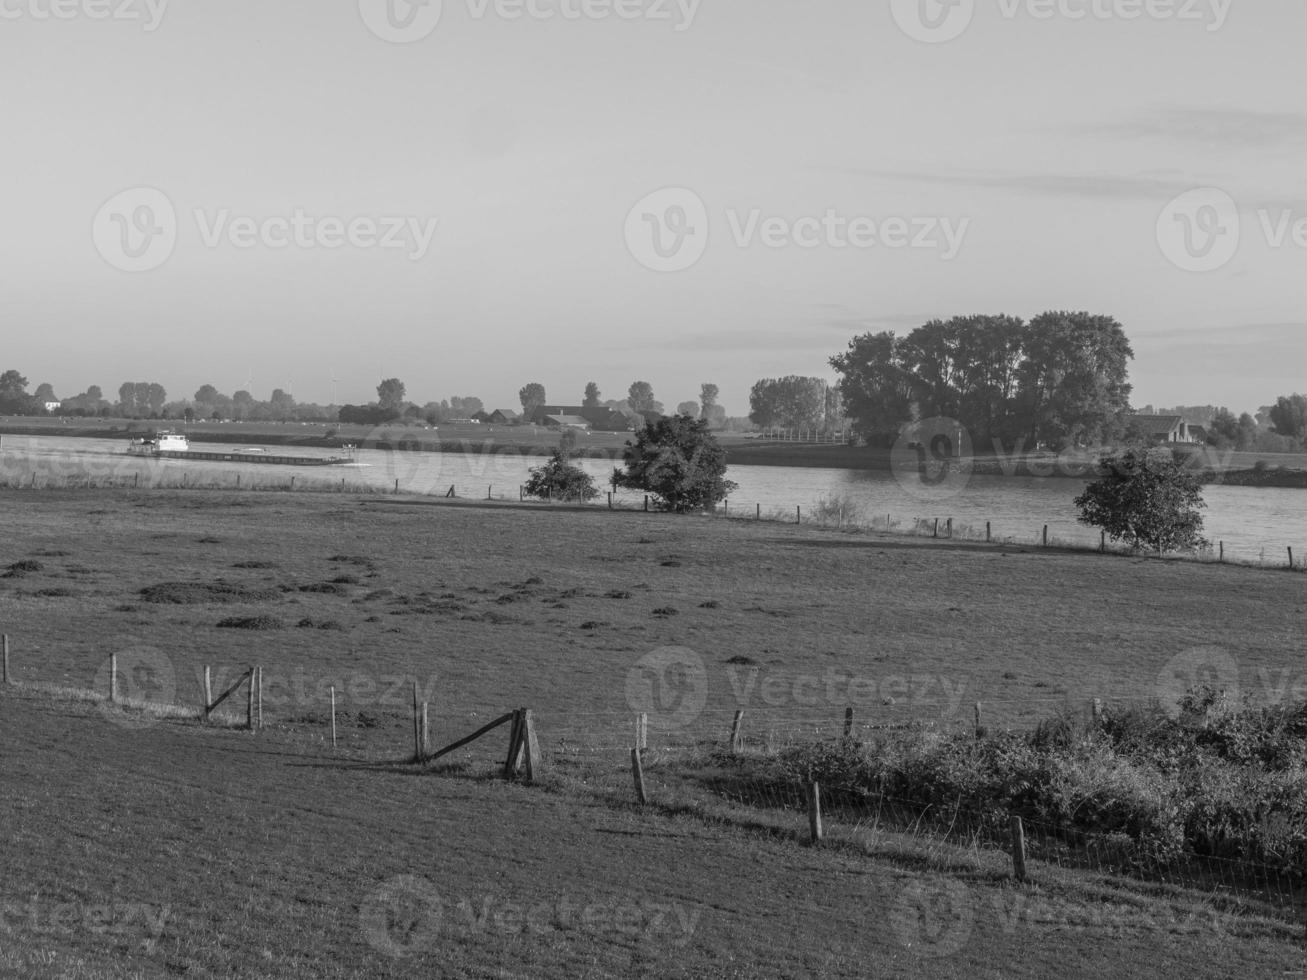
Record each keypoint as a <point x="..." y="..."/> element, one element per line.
<point x="474" y="194"/>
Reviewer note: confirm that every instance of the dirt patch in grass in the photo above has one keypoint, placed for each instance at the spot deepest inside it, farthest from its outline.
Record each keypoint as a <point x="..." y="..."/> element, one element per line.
<point x="257" y="623"/>
<point x="320" y="624"/>
<point x="324" y="588"/>
<point x="25" y="567"/>
<point x="205" y="593"/>
<point x="255" y="564"/>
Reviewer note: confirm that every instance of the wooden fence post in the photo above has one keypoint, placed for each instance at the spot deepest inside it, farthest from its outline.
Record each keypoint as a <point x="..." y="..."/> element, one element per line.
<point x="637" y="773"/>
<point x="610" y="500"/>
<point x="814" y="811"/>
<point x="6" y="653"/>
<point x="979" y="728"/>
<point x="798" y="515"/>
<point x="642" y="731"/>
<point x="1045" y="535"/>
<point x="260" y="697"/>
<point x="737" y="740"/>
<point x="333" y="716"/>
<point x="1222" y="556"/>
<point x="988" y="533"/>
<point x="759" y="512"/>
<point x="1290" y="559"/>
<point x="1096" y="711"/>
<point x="950" y="529"/>
<point x="426" y="728"/>
<point x="1102" y="542"/>
<point x="935" y="533"/>
<point x="1018" y="848"/>
<point x="848" y="722"/>
<point x="249" y="706"/>
<point x="646" y="503"/>
<point x="417" y="726"/>
<point x="208" y="694"/>
<point x="113" y="677"/>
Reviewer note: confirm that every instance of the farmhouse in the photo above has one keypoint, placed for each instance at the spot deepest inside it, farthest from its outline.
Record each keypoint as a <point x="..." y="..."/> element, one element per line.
<point x="599" y="419"/>
<point x="1166" y="428"/>
<point x="504" y="416"/>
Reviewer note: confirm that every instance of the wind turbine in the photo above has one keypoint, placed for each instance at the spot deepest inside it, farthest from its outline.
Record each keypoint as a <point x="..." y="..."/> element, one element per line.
<point x="334" y="381"/>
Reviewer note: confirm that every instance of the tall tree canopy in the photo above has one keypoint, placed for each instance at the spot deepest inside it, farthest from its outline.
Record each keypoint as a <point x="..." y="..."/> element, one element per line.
<point x="790" y="401"/>
<point x="532" y="396"/>
<point x="1061" y="379"/>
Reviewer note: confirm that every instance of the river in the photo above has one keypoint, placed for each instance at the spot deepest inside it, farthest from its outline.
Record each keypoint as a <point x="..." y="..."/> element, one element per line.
<point x="1254" y="523"/>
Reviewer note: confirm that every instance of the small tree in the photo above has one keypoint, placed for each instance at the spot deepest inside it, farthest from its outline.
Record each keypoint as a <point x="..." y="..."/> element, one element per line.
<point x="678" y="462"/>
<point x="1146" y="499"/>
<point x="558" y="479"/>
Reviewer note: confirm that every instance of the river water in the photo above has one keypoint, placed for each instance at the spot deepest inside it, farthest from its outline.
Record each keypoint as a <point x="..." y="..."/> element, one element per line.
<point x="1254" y="523"/>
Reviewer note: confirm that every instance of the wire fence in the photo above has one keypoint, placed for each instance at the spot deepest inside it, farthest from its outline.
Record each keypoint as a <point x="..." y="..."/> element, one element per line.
<point x="877" y="791"/>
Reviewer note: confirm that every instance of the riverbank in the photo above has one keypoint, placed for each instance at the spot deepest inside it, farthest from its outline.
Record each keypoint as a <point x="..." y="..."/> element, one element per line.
<point x="1230" y="469"/>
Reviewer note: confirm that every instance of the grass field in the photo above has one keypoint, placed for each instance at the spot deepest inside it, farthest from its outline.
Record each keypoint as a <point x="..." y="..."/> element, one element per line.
<point x="268" y="854"/>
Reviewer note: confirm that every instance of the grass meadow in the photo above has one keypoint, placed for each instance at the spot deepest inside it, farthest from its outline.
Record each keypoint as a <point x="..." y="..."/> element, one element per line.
<point x="146" y="844"/>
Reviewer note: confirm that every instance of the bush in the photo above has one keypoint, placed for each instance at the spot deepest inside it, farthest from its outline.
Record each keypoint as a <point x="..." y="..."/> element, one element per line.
<point x="558" y="479"/>
<point x="838" y="509"/>
<point x="679" y="463"/>
<point x="1147" y="500"/>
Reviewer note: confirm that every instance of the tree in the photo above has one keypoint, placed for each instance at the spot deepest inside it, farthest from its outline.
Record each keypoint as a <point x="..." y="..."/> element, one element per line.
<point x="390" y="395"/>
<point x="558" y="479"/>
<point x="532" y="396"/>
<point x="1289" y="416"/>
<point x="640" y="396"/>
<point x="708" y="399"/>
<point x="790" y="401"/>
<point x="282" y="406"/>
<point x="592" y="396"/>
<point x="465" y="408"/>
<point x="678" y="462"/>
<point x="45" y="393"/>
<point x="688" y="408"/>
<point x="14" y="399"/>
<point x="1073" y="378"/>
<point x="877" y="390"/>
<point x="207" y="395"/>
<point x="1146" y="498"/>
<point x="155" y="397"/>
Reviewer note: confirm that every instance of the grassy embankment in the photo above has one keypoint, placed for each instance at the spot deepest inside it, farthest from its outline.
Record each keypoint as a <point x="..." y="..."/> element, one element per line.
<point x="265" y="848"/>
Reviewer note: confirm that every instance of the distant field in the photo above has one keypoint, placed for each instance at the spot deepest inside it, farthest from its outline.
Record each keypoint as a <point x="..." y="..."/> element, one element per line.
<point x="265" y="849"/>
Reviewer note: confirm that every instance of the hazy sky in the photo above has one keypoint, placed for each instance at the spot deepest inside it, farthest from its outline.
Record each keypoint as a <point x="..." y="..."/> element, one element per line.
<point x="1028" y="163"/>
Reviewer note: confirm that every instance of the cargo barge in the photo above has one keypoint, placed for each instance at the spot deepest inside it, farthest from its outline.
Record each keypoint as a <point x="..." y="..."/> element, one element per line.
<point x="174" y="445"/>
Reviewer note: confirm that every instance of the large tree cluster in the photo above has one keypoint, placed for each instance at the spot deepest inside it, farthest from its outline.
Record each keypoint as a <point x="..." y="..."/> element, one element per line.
<point x="1058" y="380"/>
